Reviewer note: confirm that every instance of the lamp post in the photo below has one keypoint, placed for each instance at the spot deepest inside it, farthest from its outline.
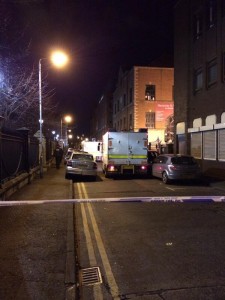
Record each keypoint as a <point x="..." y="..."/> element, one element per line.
<point x="40" y="120"/>
<point x="59" y="59"/>
<point x="68" y="119"/>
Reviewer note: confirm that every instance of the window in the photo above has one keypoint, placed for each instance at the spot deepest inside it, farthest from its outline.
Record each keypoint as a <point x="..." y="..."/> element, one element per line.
<point x="124" y="100"/>
<point x="223" y="67"/>
<point x="131" y="95"/>
<point x="209" y="145"/>
<point x="211" y="13"/>
<point x="130" y="121"/>
<point x="221" y="144"/>
<point x="223" y="8"/>
<point x="150" y="119"/>
<point x="196" y="145"/>
<point x="197" y="25"/>
<point x="211" y="73"/>
<point x="150" y="92"/>
<point x="198" y="80"/>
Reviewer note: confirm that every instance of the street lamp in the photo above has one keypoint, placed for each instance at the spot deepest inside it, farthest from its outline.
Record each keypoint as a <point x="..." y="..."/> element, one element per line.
<point x="59" y="59"/>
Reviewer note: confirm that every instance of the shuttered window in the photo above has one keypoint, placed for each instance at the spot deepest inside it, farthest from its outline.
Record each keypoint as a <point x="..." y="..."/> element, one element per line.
<point x="221" y="144"/>
<point x="196" y="145"/>
<point x="209" y="145"/>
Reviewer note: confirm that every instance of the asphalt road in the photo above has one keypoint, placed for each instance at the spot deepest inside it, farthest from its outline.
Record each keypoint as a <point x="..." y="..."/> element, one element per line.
<point x="141" y="250"/>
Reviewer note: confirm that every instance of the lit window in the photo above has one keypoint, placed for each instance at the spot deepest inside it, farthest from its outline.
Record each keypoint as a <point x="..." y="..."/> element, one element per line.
<point x="150" y="92"/>
<point x="150" y="119"/>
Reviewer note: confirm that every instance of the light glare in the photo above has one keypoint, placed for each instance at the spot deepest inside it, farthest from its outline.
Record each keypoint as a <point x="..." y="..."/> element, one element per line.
<point x="59" y="59"/>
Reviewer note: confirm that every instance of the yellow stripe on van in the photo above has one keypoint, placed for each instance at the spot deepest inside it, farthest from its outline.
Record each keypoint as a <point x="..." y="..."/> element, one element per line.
<point x="113" y="156"/>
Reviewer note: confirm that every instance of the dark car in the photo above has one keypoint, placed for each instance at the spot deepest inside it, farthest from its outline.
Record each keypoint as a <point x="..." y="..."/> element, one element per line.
<point x="175" y="167"/>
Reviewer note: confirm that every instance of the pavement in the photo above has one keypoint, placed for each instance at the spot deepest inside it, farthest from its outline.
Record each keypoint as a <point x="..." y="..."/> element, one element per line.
<point x="220" y="185"/>
<point x="37" y="259"/>
<point x="55" y="256"/>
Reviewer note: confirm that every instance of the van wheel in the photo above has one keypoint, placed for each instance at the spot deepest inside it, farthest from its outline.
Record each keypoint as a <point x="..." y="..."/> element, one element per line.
<point x="165" y="178"/>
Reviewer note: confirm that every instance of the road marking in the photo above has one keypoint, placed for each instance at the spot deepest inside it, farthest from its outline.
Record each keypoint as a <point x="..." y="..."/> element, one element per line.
<point x="91" y="254"/>
<point x="109" y="274"/>
<point x="170" y="189"/>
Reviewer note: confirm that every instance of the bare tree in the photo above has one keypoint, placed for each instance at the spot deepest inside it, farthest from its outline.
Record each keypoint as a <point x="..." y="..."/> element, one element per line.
<point x="19" y="85"/>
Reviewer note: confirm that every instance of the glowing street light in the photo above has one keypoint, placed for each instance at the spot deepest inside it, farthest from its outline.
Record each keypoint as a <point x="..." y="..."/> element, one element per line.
<point x="59" y="59"/>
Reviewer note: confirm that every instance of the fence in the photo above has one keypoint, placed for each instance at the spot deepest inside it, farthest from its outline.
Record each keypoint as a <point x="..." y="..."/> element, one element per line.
<point x="19" y="159"/>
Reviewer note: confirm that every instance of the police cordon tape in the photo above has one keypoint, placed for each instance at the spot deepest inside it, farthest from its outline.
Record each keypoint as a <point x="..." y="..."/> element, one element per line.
<point x="171" y="199"/>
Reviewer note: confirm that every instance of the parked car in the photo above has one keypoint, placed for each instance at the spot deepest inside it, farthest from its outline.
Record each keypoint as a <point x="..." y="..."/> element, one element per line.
<point x="175" y="167"/>
<point x="67" y="155"/>
<point x="81" y="164"/>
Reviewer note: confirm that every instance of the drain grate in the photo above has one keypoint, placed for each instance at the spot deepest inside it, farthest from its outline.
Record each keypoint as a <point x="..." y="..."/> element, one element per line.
<point x="91" y="276"/>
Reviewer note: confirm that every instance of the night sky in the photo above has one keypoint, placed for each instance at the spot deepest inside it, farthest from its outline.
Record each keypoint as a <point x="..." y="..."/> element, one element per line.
<point x="99" y="36"/>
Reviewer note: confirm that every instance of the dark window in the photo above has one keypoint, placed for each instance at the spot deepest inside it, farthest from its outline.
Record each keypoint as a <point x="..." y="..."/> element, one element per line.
<point x="183" y="160"/>
<point x="131" y="95"/>
<point x="150" y="119"/>
<point x="124" y="100"/>
<point x="198" y="80"/>
<point x="130" y="121"/>
<point x="150" y="92"/>
<point x="223" y="8"/>
<point x="197" y="25"/>
<point x="210" y="13"/>
<point x="211" y="72"/>
<point x="223" y="67"/>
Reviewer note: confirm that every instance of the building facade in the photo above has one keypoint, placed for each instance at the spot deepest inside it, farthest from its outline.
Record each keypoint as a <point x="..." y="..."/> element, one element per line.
<point x="102" y="117"/>
<point x="143" y="98"/>
<point x="199" y="76"/>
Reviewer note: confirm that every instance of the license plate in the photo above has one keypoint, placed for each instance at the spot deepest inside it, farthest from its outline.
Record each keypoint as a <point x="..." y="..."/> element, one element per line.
<point x="128" y="167"/>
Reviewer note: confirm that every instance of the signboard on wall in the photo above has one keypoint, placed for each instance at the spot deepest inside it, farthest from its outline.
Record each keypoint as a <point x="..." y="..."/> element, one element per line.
<point x="163" y="110"/>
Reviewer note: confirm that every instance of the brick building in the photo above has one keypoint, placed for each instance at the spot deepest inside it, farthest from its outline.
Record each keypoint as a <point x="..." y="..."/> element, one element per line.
<point x="143" y="98"/>
<point x="199" y="91"/>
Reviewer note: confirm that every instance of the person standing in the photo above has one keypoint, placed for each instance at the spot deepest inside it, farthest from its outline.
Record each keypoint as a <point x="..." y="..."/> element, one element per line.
<point x="58" y="154"/>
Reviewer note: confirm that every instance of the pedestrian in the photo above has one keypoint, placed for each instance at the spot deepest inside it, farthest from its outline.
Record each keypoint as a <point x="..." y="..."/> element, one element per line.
<point x="58" y="154"/>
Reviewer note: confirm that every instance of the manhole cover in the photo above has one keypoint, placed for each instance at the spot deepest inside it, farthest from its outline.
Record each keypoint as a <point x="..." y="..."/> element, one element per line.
<point x="91" y="276"/>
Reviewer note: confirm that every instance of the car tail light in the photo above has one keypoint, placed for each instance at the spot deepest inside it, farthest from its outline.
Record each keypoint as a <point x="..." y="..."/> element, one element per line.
<point x="172" y="167"/>
<point x="143" y="167"/>
<point x="111" y="168"/>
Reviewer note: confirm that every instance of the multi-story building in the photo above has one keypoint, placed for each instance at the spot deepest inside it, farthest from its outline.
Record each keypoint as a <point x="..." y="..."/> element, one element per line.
<point x="102" y="117"/>
<point x="143" y="98"/>
<point x="199" y="76"/>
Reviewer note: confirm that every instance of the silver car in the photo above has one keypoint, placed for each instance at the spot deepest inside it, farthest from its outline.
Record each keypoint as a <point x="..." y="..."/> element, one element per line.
<point x="175" y="167"/>
<point x="81" y="164"/>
